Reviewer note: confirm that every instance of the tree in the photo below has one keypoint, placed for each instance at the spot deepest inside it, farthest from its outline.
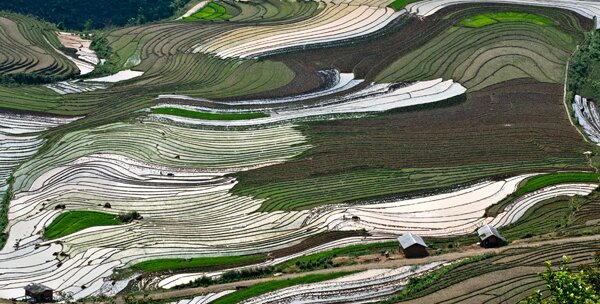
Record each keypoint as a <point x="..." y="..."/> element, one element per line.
<point x="88" y="25"/>
<point x="568" y="287"/>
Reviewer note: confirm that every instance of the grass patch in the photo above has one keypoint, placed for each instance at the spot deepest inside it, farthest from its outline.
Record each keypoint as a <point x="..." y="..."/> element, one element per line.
<point x="203" y="262"/>
<point x="73" y="221"/>
<point x="493" y="18"/>
<point x="400" y="4"/>
<point x="541" y="181"/>
<point x="209" y="12"/>
<point x="207" y="116"/>
<point x="262" y="288"/>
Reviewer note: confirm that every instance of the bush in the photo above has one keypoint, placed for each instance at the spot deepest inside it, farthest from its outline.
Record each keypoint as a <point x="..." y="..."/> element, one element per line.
<point x="28" y="79"/>
<point x="129" y="217"/>
<point x="230" y="276"/>
<point x="566" y="286"/>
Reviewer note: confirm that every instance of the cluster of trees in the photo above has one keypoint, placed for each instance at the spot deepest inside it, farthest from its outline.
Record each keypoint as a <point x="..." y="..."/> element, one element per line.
<point x="28" y="79"/>
<point x="584" y="68"/>
<point x="230" y="276"/>
<point x="91" y="14"/>
<point x="568" y="286"/>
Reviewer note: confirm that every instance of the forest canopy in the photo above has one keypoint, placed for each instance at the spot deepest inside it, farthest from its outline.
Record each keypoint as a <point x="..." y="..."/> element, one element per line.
<point x="91" y="14"/>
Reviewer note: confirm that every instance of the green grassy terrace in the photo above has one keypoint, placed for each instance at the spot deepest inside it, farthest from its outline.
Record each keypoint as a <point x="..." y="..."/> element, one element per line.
<point x="207" y="116"/>
<point x="493" y="18"/>
<point x="73" y="221"/>
<point x="541" y="181"/>
<point x="262" y="288"/>
<point x="211" y="11"/>
<point x="400" y="4"/>
<point x="194" y="263"/>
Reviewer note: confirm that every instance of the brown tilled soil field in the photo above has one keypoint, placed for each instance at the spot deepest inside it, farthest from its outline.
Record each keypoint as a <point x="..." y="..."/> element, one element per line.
<point x="515" y="121"/>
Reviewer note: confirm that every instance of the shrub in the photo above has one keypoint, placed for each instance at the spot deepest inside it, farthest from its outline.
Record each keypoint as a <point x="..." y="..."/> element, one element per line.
<point x="566" y="286"/>
<point x="129" y="217"/>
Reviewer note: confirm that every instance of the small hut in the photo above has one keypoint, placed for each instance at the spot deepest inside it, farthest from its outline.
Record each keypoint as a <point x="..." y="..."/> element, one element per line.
<point x="39" y="293"/>
<point x="413" y="246"/>
<point x="490" y="237"/>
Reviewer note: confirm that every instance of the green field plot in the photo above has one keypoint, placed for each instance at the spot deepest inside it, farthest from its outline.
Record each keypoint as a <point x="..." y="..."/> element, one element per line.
<point x="400" y="4"/>
<point x="542" y="181"/>
<point x="538" y="182"/>
<point x="208" y="116"/>
<point x="493" y="18"/>
<point x="211" y="11"/>
<point x="73" y="221"/>
<point x="196" y="263"/>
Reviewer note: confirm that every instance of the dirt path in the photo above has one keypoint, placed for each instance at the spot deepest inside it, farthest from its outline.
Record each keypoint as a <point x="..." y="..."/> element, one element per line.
<point x="190" y="292"/>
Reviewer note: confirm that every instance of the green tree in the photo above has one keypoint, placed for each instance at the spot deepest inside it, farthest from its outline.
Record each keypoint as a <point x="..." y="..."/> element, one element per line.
<point x="88" y="25"/>
<point x="568" y="287"/>
<point x="177" y="4"/>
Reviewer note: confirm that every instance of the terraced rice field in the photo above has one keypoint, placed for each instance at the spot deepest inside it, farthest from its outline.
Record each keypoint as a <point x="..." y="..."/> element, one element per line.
<point x="486" y="55"/>
<point x="419" y="151"/>
<point x="71" y="222"/>
<point x="514" y="275"/>
<point x="254" y="134"/>
<point x="209" y="12"/>
<point x="28" y="46"/>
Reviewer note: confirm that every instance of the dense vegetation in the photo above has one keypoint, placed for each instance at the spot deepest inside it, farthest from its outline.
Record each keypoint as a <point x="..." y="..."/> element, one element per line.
<point x="73" y="221"/>
<point x="89" y="14"/>
<point x="27" y="79"/>
<point x="569" y="286"/>
<point x="230" y="276"/>
<point x="584" y="68"/>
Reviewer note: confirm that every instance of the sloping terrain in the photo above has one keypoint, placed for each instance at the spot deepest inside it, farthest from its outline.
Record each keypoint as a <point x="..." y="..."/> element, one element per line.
<point x="252" y="138"/>
<point x="29" y="46"/>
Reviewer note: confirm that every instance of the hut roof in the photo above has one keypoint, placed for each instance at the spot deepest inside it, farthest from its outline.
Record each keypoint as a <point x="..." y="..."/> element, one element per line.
<point x="408" y="239"/>
<point x="486" y="231"/>
<point x="37" y="288"/>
